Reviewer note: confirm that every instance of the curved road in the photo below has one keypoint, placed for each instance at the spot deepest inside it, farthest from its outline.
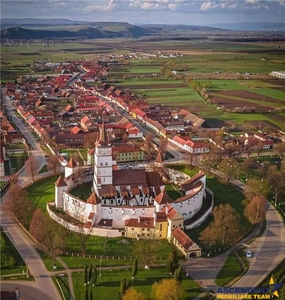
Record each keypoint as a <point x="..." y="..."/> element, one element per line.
<point x="269" y="248"/>
<point x="268" y="252"/>
<point x="43" y="283"/>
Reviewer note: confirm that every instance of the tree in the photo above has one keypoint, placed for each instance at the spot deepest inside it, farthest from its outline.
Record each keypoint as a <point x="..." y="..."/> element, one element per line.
<point x="124" y="285"/>
<point x="83" y="237"/>
<point x="255" y="187"/>
<point x="36" y="225"/>
<point x="276" y="182"/>
<point x="208" y="237"/>
<point x="172" y="261"/>
<point x="263" y="168"/>
<point x="163" y="142"/>
<point x="280" y="149"/>
<point x="148" y="142"/>
<point x="208" y="160"/>
<point x="256" y="209"/>
<point x="90" y="272"/>
<point x="94" y="276"/>
<point x="229" y="167"/>
<point x="169" y="289"/>
<point x="246" y="166"/>
<point x="32" y="167"/>
<point x="225" y="224"/>
<point x="259" y="147"/>
<point x="125" y="138"/>
<point x="133" y="294"/>
<point x="85" y="276"/>
<point x="178" y="274"/>
<point x="19" y="204"/>
<point x="45" y="138"/>
<point x="53" y="163"/>
<point x="135" y="268"/>
<point x="191" y="159"/>
<point x="146" y="249"/>
<point x="90" y="139"/>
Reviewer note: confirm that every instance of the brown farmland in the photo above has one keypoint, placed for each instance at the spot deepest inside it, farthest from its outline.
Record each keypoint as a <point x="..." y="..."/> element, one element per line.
<point x="168" y="87"/>
<point x="243" y="105"/>
<point x="250" y="95"/>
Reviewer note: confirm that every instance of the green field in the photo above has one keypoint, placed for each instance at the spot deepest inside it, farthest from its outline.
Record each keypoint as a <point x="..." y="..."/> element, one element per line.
<point x="108" y="284"/>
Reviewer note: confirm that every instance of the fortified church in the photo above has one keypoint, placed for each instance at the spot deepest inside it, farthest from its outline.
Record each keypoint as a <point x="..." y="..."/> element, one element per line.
<point x="130" y="202"/>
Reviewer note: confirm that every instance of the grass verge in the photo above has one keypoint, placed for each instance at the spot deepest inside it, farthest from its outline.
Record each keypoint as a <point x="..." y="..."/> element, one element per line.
<point x="230" y="270"/>
<point x="11" y="261"/>
<point x="62" y="285"/>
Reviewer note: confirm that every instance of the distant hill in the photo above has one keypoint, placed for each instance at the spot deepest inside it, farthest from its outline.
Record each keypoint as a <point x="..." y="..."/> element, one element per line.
<point x="252" y="26"/>
<point x="74" y="32"/>
<point x="38" y="22"/>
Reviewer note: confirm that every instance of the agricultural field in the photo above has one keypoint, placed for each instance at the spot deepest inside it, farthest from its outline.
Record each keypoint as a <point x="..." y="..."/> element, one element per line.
<point x="238" y="73"/>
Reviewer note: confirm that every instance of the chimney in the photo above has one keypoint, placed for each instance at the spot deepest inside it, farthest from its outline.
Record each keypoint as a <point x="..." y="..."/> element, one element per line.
<point x="166" y="210"/>
<point x="139" y="219"/>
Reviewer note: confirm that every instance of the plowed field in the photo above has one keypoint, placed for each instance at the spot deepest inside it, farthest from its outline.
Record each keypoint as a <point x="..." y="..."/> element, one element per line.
<point x="250" y="95"/>
<point x="231" y="104"/>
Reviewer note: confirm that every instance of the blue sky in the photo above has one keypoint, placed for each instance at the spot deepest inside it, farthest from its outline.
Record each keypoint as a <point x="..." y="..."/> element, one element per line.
<point x="196" y="12"/>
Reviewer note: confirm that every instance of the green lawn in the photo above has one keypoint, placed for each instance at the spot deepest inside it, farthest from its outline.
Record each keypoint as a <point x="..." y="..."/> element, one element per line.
<point x="48" y="261"/>
<point x="11" y="261"/>
<point x="109" y="283"/>
<point x="42" y="192"/>
<point x="229" y="271"/>
<point x="172" y="192"/>
<point x="83" y="191"/>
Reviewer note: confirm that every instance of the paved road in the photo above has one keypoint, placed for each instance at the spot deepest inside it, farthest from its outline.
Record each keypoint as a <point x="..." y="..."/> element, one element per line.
<point x="28" y="290"/>
<point x="22" y="243"/>
<point x="268" y="252"/>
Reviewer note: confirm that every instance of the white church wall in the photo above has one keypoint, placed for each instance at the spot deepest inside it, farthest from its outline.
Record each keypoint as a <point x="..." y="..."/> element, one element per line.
<point x="120" y="214"/>
<point x="98" y="231"/>
<point x="76" y="208"/>
<point x="189" y="207"/>
<point x="199" y="221"/>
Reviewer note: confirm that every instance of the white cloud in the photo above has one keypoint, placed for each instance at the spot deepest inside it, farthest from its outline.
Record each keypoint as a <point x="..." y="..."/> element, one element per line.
<point x="251" y="1"/>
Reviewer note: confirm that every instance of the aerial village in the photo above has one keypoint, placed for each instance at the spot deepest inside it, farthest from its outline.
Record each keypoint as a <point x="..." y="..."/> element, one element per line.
<point x="67" y="110"/>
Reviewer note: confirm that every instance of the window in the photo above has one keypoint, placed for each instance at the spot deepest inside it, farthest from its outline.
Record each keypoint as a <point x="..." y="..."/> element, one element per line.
<point x="142" y="229"/>
<point x="160" y="227"/>
<point x="106" y="164"/>
<point x="132" y="228"/>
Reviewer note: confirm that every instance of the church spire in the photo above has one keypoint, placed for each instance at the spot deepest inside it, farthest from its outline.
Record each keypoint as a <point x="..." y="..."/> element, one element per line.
<point x="103" y="139"/>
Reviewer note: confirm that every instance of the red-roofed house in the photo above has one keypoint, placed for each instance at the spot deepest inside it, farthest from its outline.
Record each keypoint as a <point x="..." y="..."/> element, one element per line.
<point x="183" y="242"/>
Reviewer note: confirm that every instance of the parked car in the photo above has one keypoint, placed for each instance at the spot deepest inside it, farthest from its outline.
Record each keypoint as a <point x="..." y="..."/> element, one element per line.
<point x="248" y="253"/>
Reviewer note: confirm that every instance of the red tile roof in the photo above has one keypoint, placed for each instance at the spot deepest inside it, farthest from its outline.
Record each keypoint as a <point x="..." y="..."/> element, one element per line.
<point x="71" y="163"/>
<point x="182" y="238"/>
<point x="142" y="222"/>
<point x="105" y="223"/>
<point x="60" y="182"/>
<point x="93" y="199"/>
